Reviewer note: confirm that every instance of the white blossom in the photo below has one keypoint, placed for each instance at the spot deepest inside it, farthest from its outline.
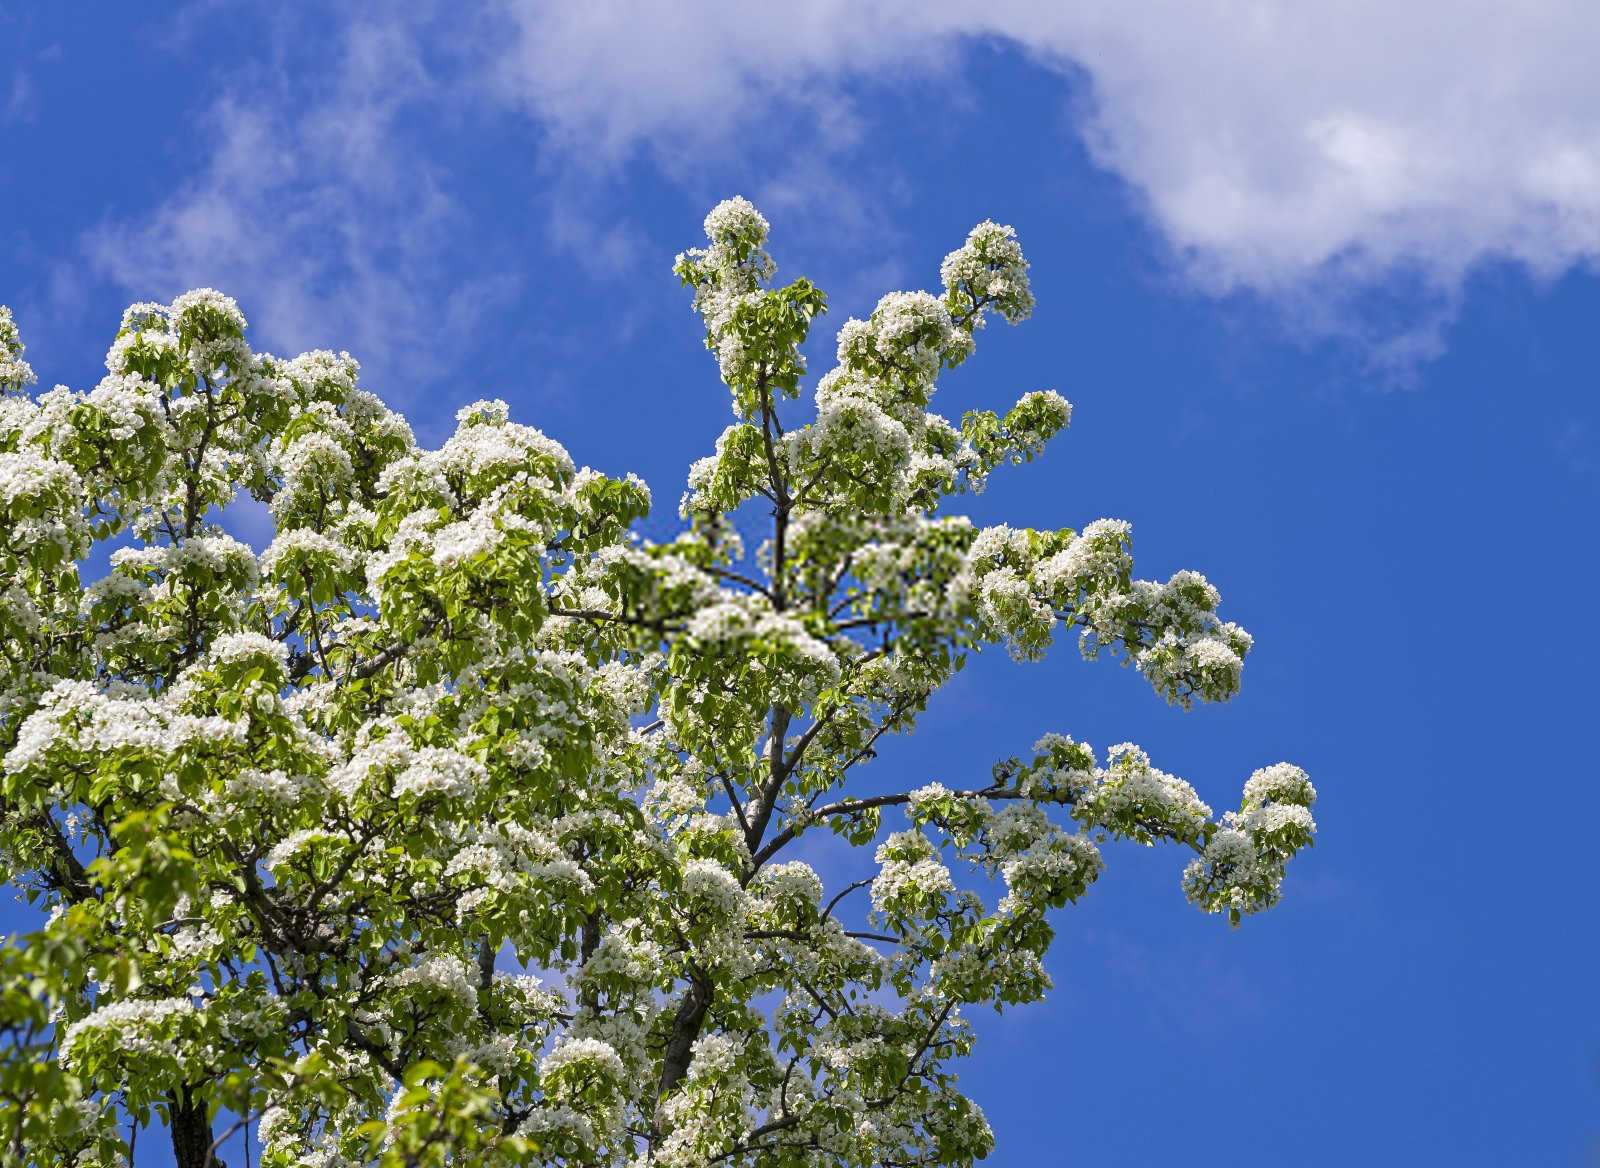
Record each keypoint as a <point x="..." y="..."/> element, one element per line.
<point x="15" y="373"/>
<point x="438" y="771"/>
<point x="135" y="1024"/>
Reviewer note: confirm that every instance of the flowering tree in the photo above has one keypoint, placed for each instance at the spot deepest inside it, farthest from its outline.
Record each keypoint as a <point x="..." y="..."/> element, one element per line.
<point x="455" y="826"/>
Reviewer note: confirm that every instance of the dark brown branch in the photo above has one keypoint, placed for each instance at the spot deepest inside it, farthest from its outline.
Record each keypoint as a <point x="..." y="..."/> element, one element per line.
<point x="686" y="1026"/>
<point x="601" y="617"/>
<point x="767" y="798"/>
<point x="854" y="806"/>
<point x="737" y="578"/>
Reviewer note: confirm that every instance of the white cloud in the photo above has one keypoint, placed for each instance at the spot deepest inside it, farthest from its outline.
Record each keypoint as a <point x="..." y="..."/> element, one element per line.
<point x="1303" y="151"/>
<point x="1349" y="163"/>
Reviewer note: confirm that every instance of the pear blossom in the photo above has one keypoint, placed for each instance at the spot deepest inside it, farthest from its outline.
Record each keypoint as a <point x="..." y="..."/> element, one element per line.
<point x="463" y="816"/>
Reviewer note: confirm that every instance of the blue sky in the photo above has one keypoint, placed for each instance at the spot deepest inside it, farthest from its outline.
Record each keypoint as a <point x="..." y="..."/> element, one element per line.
<point x="1321" y="288"/>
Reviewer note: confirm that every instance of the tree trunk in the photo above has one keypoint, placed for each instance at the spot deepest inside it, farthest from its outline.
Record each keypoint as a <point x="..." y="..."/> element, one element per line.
<point x="191" y="1131"/>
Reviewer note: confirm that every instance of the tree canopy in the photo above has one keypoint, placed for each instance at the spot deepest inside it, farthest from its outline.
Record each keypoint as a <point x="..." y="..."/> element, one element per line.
<point x="457" y="825"/>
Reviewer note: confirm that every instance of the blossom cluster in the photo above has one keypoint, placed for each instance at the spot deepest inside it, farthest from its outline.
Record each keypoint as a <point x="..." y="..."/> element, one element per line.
<point x="15" y="373"/>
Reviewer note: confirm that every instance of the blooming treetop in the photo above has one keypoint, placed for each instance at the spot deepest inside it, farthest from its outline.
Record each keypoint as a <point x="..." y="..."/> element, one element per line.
<point x="295" y="811"/>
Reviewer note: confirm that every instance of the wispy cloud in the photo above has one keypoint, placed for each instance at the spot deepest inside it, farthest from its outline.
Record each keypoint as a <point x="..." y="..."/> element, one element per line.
<point x="1201" y="998"/>
<point x="310" y="210"/>
<point x="1576" y="448"/>
<point x="22" y="104"/>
